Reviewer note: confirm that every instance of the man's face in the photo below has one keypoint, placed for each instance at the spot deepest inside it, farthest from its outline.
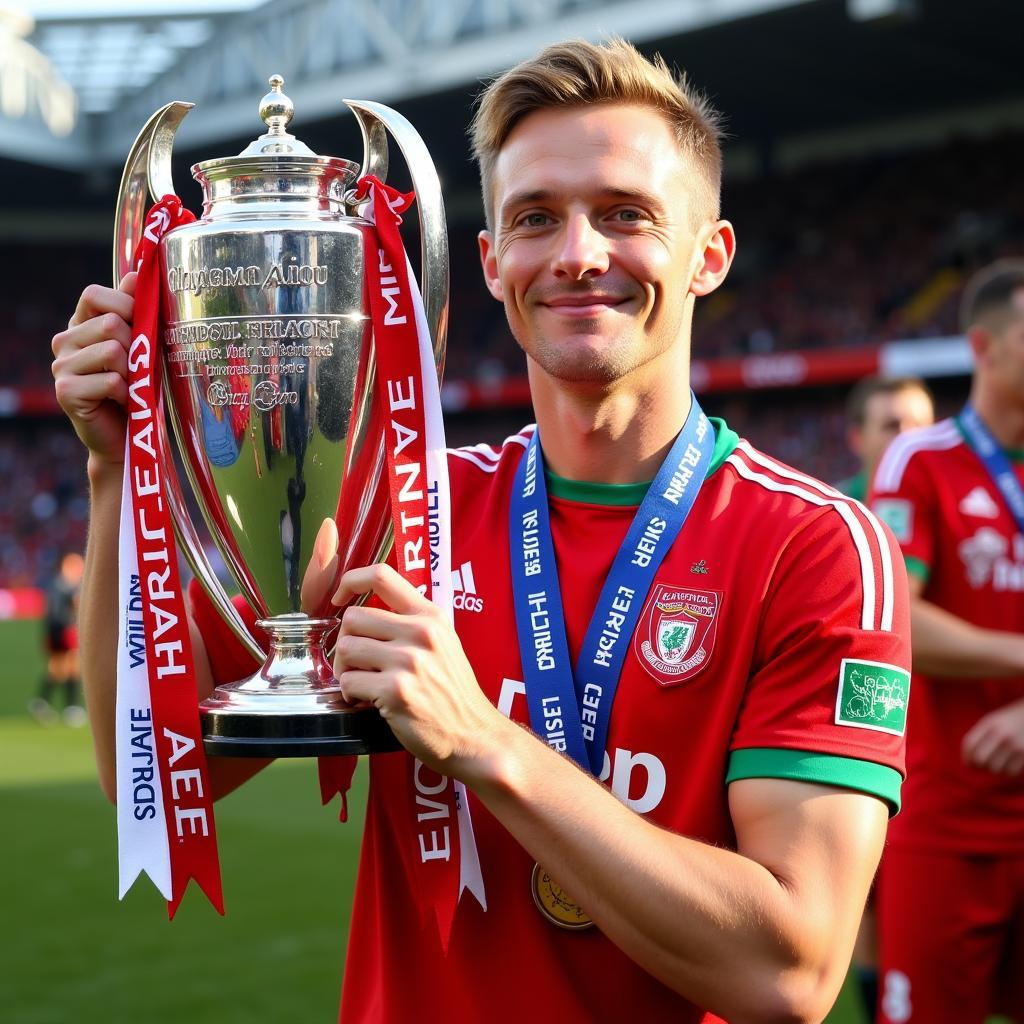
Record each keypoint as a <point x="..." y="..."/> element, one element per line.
<point x="595" y="240"/>
<point x="887" y="414"/>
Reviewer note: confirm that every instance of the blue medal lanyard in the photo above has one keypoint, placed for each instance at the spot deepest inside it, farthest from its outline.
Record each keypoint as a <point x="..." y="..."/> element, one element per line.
<point x="995" y="461"/>
<point x="570" y="710"/>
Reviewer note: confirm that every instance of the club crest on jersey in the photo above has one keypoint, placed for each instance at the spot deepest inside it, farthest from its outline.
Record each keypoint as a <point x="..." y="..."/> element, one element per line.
<point x="676" y="632"/>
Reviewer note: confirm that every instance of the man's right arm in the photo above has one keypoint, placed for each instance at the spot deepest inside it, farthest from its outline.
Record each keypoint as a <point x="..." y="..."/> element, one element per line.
<point x="948" y="647"/>
<point x="945" y="646"/>
<point x="90" y="371"/>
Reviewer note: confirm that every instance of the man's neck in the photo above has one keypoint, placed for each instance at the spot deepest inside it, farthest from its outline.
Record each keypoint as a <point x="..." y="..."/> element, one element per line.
<point x="1004" y="420"/>
<point x="619" y="435"/>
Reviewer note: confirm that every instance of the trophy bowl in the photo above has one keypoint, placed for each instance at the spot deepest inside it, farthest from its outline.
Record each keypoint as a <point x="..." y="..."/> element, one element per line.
<point x="269" y="382"/>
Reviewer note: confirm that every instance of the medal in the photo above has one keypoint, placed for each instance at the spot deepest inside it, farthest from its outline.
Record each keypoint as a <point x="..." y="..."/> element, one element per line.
<point x="570" y="709"/>
<point x="556" y="904"/>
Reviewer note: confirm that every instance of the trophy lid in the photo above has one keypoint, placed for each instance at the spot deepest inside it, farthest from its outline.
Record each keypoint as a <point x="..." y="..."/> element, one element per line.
<point x="277" y="110"/>
<point x="276" y="173"/>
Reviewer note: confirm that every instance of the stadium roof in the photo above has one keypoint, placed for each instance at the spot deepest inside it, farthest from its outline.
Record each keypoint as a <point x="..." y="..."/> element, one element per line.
<point x="106" y="49"/>
<point x="124" y="59"/>
<point x="797" y="79"/>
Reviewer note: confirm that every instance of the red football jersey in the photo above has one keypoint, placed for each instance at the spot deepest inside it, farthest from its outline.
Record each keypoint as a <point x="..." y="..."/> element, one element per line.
<point x="959" y="537"/>
<point x="773" y="643"/>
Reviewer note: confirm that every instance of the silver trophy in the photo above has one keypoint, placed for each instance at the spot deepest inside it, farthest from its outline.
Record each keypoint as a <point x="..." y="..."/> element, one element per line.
<point x="269" y="380"/>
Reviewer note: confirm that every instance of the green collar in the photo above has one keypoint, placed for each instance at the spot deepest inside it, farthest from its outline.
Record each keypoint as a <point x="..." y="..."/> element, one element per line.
<point x="632" y="494"/>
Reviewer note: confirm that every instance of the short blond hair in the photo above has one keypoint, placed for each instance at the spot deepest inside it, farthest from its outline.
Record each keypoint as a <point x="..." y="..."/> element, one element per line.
<point x="578" y="73"/>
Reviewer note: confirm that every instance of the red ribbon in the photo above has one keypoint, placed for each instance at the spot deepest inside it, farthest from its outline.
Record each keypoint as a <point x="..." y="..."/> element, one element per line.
<point x="184" y="775"/>
<point x="430" y="804"/>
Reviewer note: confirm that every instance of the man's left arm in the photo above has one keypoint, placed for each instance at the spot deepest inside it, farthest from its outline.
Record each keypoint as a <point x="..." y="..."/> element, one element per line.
<point x="760" y="934"/>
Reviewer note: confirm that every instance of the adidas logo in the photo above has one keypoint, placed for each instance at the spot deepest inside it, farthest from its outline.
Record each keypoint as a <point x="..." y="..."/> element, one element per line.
<point x="979" y="503"/>
<point x="465" y="589"/>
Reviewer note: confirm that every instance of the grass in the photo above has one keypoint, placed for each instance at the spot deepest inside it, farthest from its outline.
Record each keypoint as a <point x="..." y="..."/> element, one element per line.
<point x="72" y="952"/>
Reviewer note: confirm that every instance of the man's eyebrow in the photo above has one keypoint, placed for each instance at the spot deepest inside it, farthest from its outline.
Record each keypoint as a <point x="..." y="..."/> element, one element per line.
<point x="537" y="195"/>
<point x="541" y="195"/>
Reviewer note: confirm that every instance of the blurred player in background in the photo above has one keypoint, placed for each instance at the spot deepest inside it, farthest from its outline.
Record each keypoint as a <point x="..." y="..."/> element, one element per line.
<point x="877" y="410"/>
<point x="951" y="888"/>
<point x="61" y="641"/>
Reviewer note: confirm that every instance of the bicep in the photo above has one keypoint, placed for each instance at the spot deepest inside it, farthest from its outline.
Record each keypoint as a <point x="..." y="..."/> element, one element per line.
<point x="821" y="843"/>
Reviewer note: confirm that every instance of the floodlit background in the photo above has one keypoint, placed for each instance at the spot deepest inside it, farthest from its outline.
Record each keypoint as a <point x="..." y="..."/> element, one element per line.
<point x="874" y="159"/>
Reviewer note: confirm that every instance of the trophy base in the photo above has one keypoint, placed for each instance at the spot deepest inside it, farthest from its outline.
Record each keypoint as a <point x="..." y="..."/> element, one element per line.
<point x="341" y="731"/>
<point x="292" y="707"/>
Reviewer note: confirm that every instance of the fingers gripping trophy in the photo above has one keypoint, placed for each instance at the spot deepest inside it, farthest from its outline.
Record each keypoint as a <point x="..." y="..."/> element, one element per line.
<point x="270" y="379"/>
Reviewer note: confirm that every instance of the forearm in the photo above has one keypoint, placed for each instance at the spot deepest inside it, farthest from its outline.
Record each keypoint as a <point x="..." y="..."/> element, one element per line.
<point x="716" y="926"/>
<point x="946" y="646"/>
<point x="98" y="613"/>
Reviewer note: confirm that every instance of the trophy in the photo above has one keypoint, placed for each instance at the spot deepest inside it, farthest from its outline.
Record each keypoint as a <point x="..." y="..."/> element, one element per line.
<point x="269" y="383"/>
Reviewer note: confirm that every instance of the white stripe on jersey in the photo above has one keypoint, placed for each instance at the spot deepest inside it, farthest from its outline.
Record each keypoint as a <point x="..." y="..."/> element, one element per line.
<point x="462" y="453"/>
<point x="888" y="585"/>
<point x="894" y="462"/>
<point x="485" y="457"/>
<point x="849" y="516"/>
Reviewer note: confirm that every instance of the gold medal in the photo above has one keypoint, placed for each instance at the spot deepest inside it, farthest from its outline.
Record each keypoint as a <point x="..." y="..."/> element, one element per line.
<point x="555" y="903"/>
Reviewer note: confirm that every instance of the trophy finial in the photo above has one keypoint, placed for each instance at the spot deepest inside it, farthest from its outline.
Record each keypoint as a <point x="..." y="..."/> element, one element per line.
<point x="276" y="109"/>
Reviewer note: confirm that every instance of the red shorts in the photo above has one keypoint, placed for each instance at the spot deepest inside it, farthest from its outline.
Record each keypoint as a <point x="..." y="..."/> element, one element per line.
<point x="60" y="638"/>
<point x="950" y="937"/>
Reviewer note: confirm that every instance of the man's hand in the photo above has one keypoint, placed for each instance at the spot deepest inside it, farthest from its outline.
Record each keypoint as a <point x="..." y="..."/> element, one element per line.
<point x="996" y="741"/>
<point x="90" y="367"/>
<point x="407" y="661"/>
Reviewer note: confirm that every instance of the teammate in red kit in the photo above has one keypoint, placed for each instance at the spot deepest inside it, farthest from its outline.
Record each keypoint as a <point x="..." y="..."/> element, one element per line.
<point x="733" y="660"/>
<point x="879" y="409"/>
<point x="951" y="889"/>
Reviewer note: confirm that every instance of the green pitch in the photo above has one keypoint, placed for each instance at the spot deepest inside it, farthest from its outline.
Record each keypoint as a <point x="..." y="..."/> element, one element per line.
<point x="73" y="953"/>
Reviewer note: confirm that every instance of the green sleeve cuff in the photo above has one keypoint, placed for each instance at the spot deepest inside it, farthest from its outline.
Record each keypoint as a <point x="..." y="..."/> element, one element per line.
<point x="827" y="769"/>
<point x="917" y="567"/>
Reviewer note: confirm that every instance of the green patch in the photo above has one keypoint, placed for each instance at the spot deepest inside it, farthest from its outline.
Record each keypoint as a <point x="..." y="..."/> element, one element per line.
<point x="898" y="515"/>
<point x="873" y="695"/>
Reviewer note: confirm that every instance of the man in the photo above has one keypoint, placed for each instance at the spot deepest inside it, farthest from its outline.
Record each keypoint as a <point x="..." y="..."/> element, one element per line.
<point x="877" y="410"/>
<point x="724" y="874"/>
<point x="61" y="642"/>
<point x="952" y="882"/>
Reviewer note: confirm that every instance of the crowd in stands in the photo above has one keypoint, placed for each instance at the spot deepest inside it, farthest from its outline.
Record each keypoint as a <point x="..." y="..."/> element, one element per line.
<point x="43" y="503"/>
<point x="846" y="253"/>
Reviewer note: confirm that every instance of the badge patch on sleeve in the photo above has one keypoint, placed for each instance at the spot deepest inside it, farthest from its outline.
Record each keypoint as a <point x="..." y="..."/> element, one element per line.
<point x="873" y="695"/>
<point x="898" y="515"/>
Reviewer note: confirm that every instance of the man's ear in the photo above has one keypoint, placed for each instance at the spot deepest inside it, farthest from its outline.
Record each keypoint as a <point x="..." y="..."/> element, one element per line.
<point x="980" y="342"/>
<point x="489" y="265"/>
<point x="716" y="259"/>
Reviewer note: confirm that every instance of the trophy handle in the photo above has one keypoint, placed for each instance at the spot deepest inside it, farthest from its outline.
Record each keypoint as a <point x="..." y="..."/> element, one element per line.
<point x="373" y="119"/>
<point x="147" y="172"/>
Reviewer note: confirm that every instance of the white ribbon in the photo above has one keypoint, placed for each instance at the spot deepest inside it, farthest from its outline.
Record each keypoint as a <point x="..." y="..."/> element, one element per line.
<point x="141" y="827"/>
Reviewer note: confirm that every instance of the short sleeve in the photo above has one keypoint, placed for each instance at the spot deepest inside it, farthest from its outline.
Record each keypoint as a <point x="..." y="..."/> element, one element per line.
<point x="902" y="497"/>
<point x="827" y="700"/>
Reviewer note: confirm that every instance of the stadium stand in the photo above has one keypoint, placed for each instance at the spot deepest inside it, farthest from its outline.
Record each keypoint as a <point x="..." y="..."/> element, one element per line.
<point x="832" y="256"/>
